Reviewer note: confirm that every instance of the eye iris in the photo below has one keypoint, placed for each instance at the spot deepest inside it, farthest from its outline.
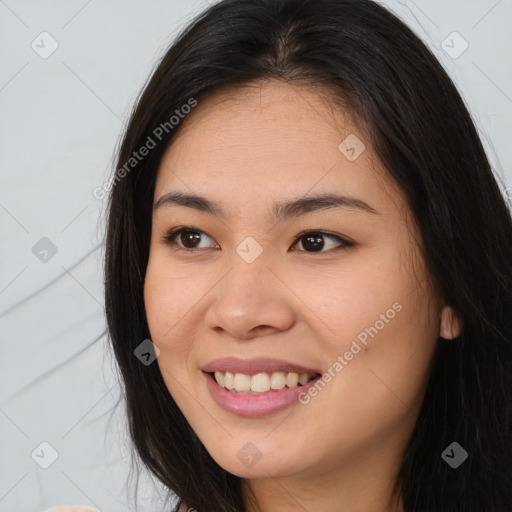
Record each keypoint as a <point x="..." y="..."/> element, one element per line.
<point x="315" y="242"/>
<point x="189" y="237"/>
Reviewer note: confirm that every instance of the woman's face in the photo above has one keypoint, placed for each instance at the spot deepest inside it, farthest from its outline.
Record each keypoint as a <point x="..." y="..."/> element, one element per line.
<point x="352" y="304"/>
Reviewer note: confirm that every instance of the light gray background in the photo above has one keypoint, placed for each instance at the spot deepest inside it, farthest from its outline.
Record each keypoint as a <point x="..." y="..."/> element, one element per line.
<point x="61" y="118"/>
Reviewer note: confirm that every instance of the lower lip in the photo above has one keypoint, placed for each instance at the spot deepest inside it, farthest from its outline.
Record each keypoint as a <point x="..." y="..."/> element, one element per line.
<point x="255" y="405"/>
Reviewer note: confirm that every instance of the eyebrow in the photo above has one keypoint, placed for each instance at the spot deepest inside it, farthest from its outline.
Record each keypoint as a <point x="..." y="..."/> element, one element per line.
<point x="279" y="211"/>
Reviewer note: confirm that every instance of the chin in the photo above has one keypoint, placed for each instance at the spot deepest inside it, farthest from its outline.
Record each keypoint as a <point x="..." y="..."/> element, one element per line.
<point x="249" y="462"/>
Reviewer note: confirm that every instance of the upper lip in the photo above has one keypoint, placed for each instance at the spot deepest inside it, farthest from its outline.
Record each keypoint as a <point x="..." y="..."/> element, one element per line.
<point x="256" y="365"/>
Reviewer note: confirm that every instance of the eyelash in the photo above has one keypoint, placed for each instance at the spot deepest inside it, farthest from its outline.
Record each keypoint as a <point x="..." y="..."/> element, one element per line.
<point x="169" y="239"/>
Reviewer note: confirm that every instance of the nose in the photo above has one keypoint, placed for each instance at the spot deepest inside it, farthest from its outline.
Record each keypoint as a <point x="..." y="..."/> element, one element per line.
<point x="251" y="300"/>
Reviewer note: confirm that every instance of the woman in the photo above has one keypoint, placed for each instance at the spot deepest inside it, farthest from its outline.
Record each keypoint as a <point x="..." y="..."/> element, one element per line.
<point x="308" y="279"/>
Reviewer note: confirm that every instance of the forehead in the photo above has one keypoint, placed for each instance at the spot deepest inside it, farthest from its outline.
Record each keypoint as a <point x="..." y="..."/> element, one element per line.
<point x="277" y="141"/>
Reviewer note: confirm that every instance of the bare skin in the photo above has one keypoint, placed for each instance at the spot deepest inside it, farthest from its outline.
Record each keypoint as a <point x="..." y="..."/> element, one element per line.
<point x="247" y="149"/>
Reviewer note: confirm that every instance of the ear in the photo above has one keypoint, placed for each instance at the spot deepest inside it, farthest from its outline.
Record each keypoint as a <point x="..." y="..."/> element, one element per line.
<point x="450" y="324"/>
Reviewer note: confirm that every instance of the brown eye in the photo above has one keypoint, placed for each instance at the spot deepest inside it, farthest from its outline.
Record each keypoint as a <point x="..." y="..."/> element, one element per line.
<point x="185" y="238"/>
<point x="189" y="239"/>
<point x="314" y="241"/>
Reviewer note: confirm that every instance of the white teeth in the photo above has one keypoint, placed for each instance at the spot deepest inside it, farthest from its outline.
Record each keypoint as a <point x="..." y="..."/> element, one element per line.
<point x="292" y="379"/>
<point x="219" y="377"/>
<point x="261" y="382"/>
<point x="242" y="382"/>
<point x="303" y="379"/>
<point x="229" y="380"/>
<point x="278" y="380"/>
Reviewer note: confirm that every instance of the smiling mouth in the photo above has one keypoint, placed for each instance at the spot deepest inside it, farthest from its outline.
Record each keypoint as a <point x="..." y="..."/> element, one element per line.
<point x="261" y="383"/>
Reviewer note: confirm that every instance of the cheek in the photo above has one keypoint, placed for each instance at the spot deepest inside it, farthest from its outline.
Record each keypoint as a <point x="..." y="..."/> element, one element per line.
<point x="387" y="352"/>
<point x="344" y="304"/>
<point x="378" y="315"/>
<point x="169" y="301"/>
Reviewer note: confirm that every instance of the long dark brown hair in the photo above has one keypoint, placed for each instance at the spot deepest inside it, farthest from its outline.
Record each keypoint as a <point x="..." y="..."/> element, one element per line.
<point x="425" y="137"/>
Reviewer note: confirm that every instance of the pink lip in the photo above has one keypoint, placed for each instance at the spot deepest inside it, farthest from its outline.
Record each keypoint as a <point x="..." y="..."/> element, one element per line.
<point x="255" y="405"/>
<point x="254" y="366"/>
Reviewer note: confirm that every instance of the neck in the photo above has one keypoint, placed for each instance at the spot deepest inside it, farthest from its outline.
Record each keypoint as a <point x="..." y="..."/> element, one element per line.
<point x="355" y="487"/>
